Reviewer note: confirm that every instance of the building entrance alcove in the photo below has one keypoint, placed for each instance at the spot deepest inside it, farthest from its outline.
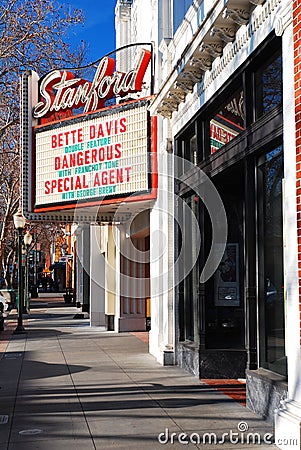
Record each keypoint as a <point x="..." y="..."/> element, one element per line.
<point x="222" y="307"/>
<point x="134" y="309"/>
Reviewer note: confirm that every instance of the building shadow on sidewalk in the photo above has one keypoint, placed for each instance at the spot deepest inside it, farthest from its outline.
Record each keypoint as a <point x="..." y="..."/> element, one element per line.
<point x="33" y="370"/>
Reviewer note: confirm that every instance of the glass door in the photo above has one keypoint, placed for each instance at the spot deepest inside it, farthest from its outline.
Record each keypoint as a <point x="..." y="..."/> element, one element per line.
<point x="270" y="262"/>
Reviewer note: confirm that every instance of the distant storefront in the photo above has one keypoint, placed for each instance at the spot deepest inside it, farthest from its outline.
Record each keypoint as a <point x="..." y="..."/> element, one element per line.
<point x="89" y="159"/>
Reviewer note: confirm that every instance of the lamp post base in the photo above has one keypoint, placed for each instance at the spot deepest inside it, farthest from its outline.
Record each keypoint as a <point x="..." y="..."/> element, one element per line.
<point x="19" y="330"/>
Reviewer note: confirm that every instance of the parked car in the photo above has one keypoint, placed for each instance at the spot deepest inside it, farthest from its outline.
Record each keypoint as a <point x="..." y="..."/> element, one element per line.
<point x="9" y="296"/>
<point x="4" y="302"/>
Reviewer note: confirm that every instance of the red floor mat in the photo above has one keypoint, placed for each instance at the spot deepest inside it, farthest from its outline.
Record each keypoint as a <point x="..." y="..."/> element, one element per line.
<point x="235" y="389"/>
<point x="142" y="335"/>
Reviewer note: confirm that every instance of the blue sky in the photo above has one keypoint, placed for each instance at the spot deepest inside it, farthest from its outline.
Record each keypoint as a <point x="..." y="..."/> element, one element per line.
<point x="99" y="29"/>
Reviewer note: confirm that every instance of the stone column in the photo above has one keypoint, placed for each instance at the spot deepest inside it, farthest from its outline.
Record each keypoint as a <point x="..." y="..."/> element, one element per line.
<point x="162" y="334"/>
<point x="97" y="278"/>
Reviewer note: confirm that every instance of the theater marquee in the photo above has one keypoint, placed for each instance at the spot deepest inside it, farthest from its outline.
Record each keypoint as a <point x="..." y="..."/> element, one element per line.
<point x="102" y="156"/>
<point x="82" y="147"/>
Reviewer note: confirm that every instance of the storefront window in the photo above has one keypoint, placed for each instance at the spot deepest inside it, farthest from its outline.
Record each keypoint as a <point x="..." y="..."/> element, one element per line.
<point x="193" y="150"/>
<point x="190" y="285"/>
<point x="270" y="248"/>
<point x="224" y="292"/>
<point x="227" y="122"/>
<point x="268" y="87"/>
<point x="187" y="150"/>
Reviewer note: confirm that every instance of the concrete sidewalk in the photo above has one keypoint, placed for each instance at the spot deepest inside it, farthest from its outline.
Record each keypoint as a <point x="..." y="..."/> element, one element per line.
<point x="65" y="385"/>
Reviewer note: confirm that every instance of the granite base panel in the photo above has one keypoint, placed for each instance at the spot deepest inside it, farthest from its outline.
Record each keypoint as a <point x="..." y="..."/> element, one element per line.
<point x="188" y="358"/>
<point x="264" y="390"/>
<point x="223" y="364"/>
<point x="132" y="324"/>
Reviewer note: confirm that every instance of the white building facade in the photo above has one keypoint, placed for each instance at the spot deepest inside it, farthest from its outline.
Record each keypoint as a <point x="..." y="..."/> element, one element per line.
<point x="222" y="231"/>
<point x="200" y="244"/>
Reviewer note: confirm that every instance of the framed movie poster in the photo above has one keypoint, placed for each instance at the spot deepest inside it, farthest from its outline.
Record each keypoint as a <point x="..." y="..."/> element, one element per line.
<point x="226" y="279"/>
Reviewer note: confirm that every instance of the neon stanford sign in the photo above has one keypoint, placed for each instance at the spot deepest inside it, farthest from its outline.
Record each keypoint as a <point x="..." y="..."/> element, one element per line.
<point x="88" y="138"/>
<point x="61" y="91"/>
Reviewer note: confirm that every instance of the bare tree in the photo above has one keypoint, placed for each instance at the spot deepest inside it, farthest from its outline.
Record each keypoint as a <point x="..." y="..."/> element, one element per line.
<point x="33" y="35"/>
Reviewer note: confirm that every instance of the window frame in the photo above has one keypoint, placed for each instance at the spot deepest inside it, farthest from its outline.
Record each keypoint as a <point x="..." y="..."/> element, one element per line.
<point x="260" y="134"/>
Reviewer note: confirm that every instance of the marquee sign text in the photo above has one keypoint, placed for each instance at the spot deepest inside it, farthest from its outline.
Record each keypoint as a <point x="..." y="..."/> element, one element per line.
<point x="87" y="159"/>
<point x="60" y="91"/>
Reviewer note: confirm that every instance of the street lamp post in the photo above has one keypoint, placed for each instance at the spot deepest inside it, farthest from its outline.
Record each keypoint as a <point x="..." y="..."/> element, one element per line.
<point x="27" y="242"/>
<point x="19" y="222"/>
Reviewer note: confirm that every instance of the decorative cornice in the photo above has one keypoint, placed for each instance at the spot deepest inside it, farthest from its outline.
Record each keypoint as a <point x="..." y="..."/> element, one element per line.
<point x="225" y="33"/>
<point x="165" y="112"/>
<point x="220" y="43"/>
<point x="214" y="48"/>
<point x="256" y="2"/>
<point x="240" y="16"/>
<point x="284" y="19"/>
<point x="170" y="104"/>
<point x="201" y="62"/>
<point x="194" y="71"/>
<point x="178" y="92"/>
<point x="185" y="83"/>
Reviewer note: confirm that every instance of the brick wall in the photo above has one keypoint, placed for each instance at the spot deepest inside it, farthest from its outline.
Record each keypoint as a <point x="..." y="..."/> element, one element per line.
<point x="297" y="82"/>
